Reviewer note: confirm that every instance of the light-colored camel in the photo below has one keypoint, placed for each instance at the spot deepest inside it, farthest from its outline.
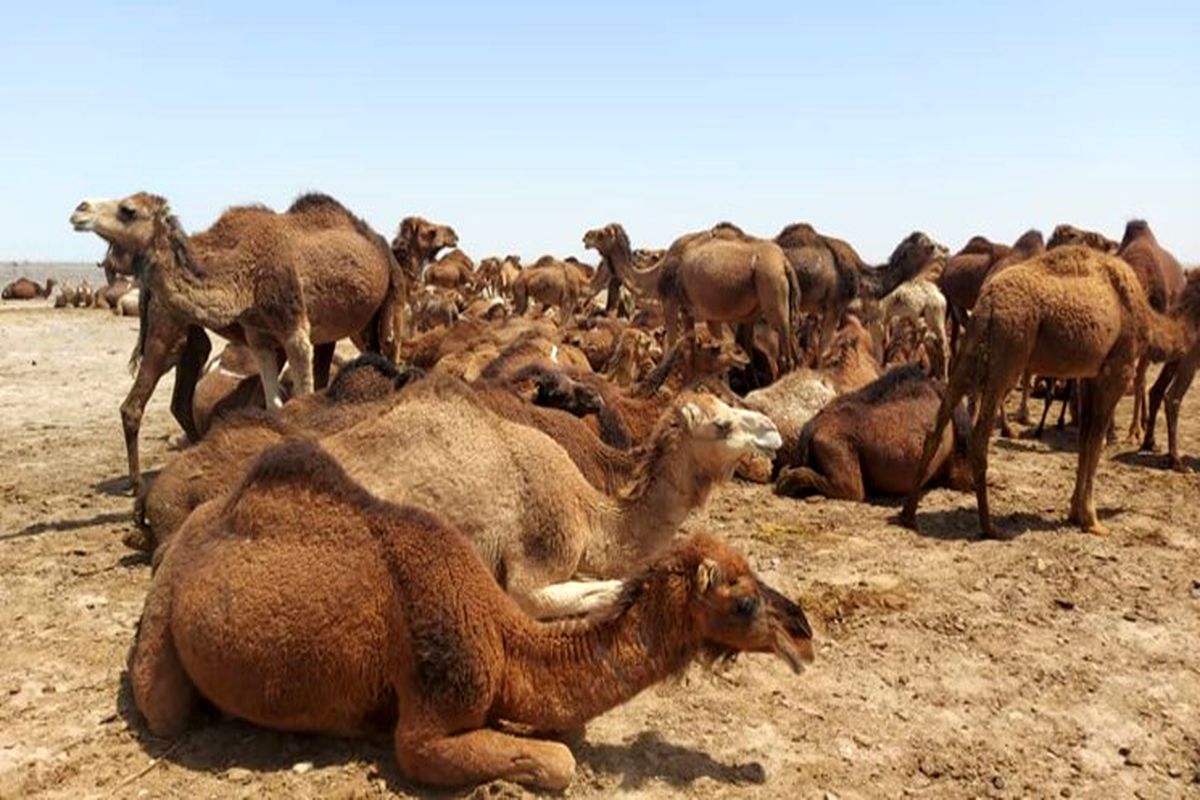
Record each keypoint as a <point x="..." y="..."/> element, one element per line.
<point x="25" y="289"/>
<point x="1175" y="379"/>
<point x="830" y="274"/>
<point x="370" y="611"/>
<point x="435" y="307"/>
<point x="519" y="498"/>
<point x="65" y="295"/>
<point x="499" y="274"/>
<point x="720" y="275"/>
<point x="918" y="302"/>
<point x="169" y="340"/>
<point x="1072" y="312"/>
<point x="869" y="441"/>
<point x="83" y="295"/>
<point x="127" y="304"/>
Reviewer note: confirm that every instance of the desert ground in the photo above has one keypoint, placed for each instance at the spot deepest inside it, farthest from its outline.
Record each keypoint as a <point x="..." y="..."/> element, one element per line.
<point x="1056" y="664"/>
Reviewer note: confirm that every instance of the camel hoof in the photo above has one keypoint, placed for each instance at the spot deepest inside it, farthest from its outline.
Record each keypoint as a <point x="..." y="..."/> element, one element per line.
<point x="995" y="534"/>
<point x="1149" y="446"/>
<point x="1095" y="529"/>
<point x="908" y="519"/>
<point x="1178" y="466"/>
<point x="138" y="539"/>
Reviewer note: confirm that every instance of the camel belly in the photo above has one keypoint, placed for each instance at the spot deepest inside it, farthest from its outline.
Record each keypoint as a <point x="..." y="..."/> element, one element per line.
<point x="288" y="635"/>
<point x="720" y="296"/>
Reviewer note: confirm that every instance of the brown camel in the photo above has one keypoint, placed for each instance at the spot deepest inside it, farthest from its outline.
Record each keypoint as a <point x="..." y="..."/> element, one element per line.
<point x="1162" y="276"/>
<point x="720" y="275"/>
<point x="435" y="307"/>
<point x="454" y="270"/>
<point x="1175" y="379"/>
<point x="25" y="289"/>
<point x="386" y="613"/>
<point x="1068" y="234"/>
<point x="553" y="284"/>
<point x="499" y="274"/>
<point x="963" y="276"/>
<point x="168" y="339"/>
<point x="1072" y="312"/>
<point x="869" y="441"/>
<point x="830" y="274"/>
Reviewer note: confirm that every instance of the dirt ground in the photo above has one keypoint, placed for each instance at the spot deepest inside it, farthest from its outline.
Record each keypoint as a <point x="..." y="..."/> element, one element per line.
<point x="1054" y="665"/>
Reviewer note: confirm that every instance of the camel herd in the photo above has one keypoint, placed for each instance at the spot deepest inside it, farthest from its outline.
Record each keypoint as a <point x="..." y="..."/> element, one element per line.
<point x="468" y="534"/>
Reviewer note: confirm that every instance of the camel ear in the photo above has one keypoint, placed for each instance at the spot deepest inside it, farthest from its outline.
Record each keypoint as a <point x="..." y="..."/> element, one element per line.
<point x="709" y="574"/>
<point x="691" y="414"/>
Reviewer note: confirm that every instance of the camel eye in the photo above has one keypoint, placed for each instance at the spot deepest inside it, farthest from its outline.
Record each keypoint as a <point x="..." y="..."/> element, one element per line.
<point x="746" y="606"/>
<point x="126" y="213"/>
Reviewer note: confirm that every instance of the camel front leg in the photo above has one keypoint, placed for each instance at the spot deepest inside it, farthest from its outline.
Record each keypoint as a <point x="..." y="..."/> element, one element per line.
<point x="187" y="374"/>
<point x="483" y="755"/>
<point x="299" y="350"/>
<point x="158" y="357"/>
<point x="1157" y="392"/>
<point x="570" y="599"/>
<point x="268" y="373"/>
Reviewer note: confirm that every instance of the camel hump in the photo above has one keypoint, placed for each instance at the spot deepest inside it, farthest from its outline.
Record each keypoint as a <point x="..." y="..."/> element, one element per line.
<point x="1136" y="229"/>
<point x="315" y="201"/>
<point x="301" y="463"/>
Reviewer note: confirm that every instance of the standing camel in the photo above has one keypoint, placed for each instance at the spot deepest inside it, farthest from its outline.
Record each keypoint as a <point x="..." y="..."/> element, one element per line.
<point x="1174" y="380"/>
<point x="1072" y="312"/>
<point x="718" y="275"/>
<point x="316" y="268"/>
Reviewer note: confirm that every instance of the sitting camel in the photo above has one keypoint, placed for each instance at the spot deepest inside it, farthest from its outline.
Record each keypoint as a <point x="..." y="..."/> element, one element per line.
<point x="25" y="289"/>
<point x="1072" y="312"/>
<point x="65" y="295"/>
<point x="404" y="622"/>
<point x="869" y="441"/>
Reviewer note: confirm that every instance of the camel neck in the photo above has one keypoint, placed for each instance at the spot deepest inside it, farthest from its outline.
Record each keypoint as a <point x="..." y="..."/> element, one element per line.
<point x="644" y="282"/>
<point x="559" y="675"/>
<point x="178" y="286"/>
<point x="664" y="490"/>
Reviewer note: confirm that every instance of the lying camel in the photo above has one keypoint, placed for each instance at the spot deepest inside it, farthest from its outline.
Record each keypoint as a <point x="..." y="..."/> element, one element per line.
<point x="1072" y="312"/>
<point x="25" y="289"/>
<point x="520" y="499"/>
<point x="869" y="441"/>
<point x="402" y="621"/>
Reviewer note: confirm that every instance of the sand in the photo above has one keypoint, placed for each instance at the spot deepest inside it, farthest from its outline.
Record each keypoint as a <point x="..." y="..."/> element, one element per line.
<point x="1057" y="664"/>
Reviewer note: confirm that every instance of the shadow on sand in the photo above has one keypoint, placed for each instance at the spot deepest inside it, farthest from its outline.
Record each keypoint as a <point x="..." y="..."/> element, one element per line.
<point x="963" y="523"/>
<point x="37" y="528"/>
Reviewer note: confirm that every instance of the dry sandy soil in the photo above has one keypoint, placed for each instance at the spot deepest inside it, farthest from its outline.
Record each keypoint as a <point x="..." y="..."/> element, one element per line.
<point x="1054" y="665"/>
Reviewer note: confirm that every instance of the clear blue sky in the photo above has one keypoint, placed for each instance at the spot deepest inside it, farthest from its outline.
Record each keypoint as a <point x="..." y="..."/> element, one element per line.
<point x="524" y="124"/>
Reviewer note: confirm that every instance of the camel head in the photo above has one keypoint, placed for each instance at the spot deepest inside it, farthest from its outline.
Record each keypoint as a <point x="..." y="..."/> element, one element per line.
<point x="1068" y="234"/>
<point x="418" y="241"/>
<point x="915" y="254"/>
<point x="735" y="611"/>
<point x="130" y="223"/>
<point x="553" y="388"/>
<point x="720" y="436"/>
<point x="610" y="238"/>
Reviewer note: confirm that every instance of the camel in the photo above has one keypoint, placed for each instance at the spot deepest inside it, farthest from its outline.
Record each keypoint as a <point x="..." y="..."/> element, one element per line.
<point x="127" y="304"/>
<point x="169" y="339"/>
<point x="1069" y="234"/>
<point x="919" y="301"/>
<point x="521" y="500"/>
<point x="212" y="466"/>
<point x="1072" y="312"/>
<point x="404" y="623"/>
<point x="717" y="276"/>
<point x="1175" y="380"/>
<point x="454" y="270"/>
<point x="25" y="289"/>
<point x="869" y="441"/>
<point x="498" y="275"/>
<point x="65" y="296"/>
<point x="1162" y="276"/>
<point x="83" y="295"/>
<point x="434" y="307"/>
<point x="965" y="272"/>
<point x="830" y="274"/>
<point x="313" y="275"/>
<point x="554" y="284"/>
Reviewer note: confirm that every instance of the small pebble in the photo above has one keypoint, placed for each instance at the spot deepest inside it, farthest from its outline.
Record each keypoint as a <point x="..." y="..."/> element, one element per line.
<point x="302" y="767"/>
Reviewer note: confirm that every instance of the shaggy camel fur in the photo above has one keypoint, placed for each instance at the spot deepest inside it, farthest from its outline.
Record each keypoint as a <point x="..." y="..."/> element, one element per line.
<point x="312" y="275"/>
<point x="212" y="467"/>
<point x="25" y="289"/>
<point x="919" y="301"/>
<point x="830" y="274"/>
<point x="169" y="340"/>
<point x="717" y="276"/>
<point x="1175" y="379"/>
<point x="869" y="441"/>
<point x="521" y="500"/>
<point x="1162" y="276"/>
<point x="387" y="616"/>
<point x="1068" y="234"/>
<point x="1072" y="312"/>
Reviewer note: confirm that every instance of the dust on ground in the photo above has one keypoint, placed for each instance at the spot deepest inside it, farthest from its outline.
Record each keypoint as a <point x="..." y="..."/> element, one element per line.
<point x="1054" y="665"/>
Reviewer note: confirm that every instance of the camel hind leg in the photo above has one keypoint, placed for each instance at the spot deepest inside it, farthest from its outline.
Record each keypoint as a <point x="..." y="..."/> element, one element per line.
<point x="981" y="434"/>
<point x="1179" y="386"/>
<point x="833" y="470"/>
<point x="1157" y="392"/>
<point x="299" y="349"/>
<point x="1098" y="400"/>
<point x="162" y="690"/>
<point x="1138" y="422"/>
